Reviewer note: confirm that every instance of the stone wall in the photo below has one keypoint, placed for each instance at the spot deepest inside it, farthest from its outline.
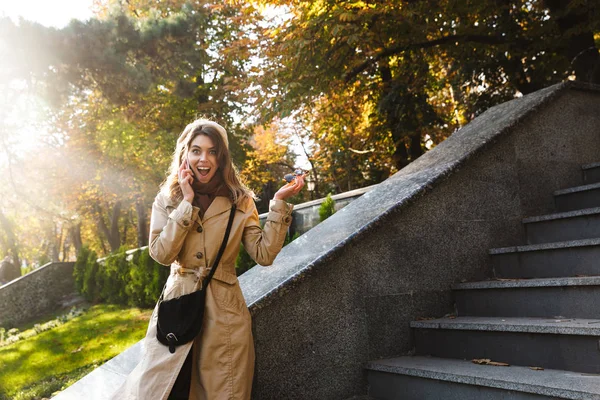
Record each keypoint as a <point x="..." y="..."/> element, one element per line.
<point x="345" y="292"/>
<point x="306" y="215"/>
<point x="36" y="293"/>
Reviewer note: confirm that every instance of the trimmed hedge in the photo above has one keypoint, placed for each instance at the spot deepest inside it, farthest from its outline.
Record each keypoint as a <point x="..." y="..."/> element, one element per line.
<point x="133" y="279"/>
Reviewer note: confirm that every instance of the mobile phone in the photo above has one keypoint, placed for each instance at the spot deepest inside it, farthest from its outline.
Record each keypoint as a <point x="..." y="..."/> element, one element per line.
<point x="187" y="166"/>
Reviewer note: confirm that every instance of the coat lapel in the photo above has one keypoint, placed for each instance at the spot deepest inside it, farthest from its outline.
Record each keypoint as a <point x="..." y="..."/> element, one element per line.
<point x="219" y="205"/>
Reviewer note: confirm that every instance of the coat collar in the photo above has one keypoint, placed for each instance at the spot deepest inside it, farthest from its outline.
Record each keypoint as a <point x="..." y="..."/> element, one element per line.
<point x="219" y="205"/>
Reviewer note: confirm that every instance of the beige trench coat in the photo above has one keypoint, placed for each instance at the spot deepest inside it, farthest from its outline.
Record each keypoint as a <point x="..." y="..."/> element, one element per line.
<point x="223" y="359"/>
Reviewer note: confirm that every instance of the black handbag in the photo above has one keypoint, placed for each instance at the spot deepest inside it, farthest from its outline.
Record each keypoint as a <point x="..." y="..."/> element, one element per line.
<point x="180" y="319"/>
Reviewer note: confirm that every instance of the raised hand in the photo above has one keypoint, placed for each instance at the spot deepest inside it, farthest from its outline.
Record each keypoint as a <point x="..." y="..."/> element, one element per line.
<point x="185" y="178"/>
<point x="290" y="189"/>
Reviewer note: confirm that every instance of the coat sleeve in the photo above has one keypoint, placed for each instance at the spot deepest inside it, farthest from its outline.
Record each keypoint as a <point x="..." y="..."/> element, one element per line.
<point x="168" y="230"/>
<point x="263" y="244"/>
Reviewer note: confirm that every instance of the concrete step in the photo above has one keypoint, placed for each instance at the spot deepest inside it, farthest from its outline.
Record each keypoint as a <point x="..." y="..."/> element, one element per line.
<point x="560" y="227"/>
<point x="577" y="198"/>
<point x="546" y="297"/>
<point x="591" y="173"/>
<point x="565" y="344"/>
<point x="570" y="258"/>
<point x="430" y="378"/>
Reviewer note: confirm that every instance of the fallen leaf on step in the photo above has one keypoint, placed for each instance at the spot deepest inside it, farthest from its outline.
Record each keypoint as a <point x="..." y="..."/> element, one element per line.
<point x="536" y="368"/>
<point x="487" y="361"/>
<point x="424" y="318"/>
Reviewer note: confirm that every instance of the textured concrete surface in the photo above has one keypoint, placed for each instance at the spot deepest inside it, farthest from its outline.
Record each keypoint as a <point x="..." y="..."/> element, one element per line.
<point x="560" y="227"/>
<point x="41" y="291"/>
<point x="547" y="246"/>
<point x="591" y="173"/>
<point x="547" y="383"/>
<point x="578" y="197"/>
<point x="577" y="189"/>
<point x="557" y="326"/>
<point x="563" y="215"/>
<point x="406" y="242"/>
<point x="527" y="283"/>
<point x="545" y="301"/>
<point x="547" y="350"/>
<point x="571" y="258"/>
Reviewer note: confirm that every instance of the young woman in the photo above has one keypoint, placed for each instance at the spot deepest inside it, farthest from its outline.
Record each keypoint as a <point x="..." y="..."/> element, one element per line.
<point x="189" y="218"/>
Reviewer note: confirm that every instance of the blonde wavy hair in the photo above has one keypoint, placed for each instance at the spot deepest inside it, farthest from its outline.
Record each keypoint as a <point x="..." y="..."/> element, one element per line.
<point x="228" y="171"/>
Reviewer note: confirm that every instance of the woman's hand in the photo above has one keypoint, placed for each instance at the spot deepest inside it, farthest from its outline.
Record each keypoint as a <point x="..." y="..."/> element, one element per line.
<point x="185" y="178"/>
<point x="290" y="189"/>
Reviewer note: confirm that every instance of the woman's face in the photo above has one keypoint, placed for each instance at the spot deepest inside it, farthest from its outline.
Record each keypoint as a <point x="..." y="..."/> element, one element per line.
<point x="202" y="156"/>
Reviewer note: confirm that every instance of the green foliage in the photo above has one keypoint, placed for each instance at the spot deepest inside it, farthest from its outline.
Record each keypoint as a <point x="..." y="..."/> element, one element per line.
<point x="38" y="366"/>
<point x="91" y="285"/>
<point x="146" y="279"/>
<point x="327" y="208"/>
<point x="80" y="267"/>
<point x="133" y="279"/>
<point x="243" y="262"/>
<point x="13" y="335"/>
<point x="114" y="278"/>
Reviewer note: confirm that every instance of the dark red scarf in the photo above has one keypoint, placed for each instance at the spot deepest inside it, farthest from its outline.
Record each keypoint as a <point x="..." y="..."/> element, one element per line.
<point x="205" y="193"/>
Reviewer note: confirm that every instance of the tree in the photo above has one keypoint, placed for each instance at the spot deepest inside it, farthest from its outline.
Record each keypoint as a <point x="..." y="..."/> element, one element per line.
<point x="268" y="161"/>
<point x="491" y="51"/>
<point x="122" y="87"/>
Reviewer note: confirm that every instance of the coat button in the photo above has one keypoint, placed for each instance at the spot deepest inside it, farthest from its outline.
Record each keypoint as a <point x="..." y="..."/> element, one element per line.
<point x="287" y="219"/>
<point x="199" y="254"/>
<point x="199" y="229"/>
<point x="186" y="222"/>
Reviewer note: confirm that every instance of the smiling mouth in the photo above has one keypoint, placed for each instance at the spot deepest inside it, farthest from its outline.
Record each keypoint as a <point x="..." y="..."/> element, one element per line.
<point x="203" y="171"/>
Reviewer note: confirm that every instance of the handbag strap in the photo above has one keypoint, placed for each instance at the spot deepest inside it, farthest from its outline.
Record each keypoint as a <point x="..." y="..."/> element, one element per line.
<point x="219" y="254"/>
<point x="222" y="248"/>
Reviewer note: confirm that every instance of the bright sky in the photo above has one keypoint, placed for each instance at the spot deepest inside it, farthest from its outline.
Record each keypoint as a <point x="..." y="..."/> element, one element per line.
<point x="55" y="13"/>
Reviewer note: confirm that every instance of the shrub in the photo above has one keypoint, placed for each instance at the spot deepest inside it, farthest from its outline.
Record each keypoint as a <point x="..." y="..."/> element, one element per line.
<point x="79" y="269"/>
<point x="113" y="277"/>
<point x="90" y="288"/>
<point x="146" y="279"/>
<point x="134" y="279"/>
<point x="327" y="208"/>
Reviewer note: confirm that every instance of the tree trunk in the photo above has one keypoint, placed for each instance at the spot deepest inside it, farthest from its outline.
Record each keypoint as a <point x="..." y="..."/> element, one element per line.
<point x="11" y="241"/>
<point x="112" y="234"/>
<point x="142" y="225"/>
<point x="400" y="156"/>
<point x="75" y="232"/>
<point x="55" y="243"/>
<point x="416" y="149"/>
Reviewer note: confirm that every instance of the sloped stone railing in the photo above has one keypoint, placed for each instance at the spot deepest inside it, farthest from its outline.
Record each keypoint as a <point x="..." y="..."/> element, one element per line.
<point x="344" y="292"/>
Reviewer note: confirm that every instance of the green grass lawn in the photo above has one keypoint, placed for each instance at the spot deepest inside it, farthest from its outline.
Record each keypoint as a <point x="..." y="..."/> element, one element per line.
<point x="50" y="361"/>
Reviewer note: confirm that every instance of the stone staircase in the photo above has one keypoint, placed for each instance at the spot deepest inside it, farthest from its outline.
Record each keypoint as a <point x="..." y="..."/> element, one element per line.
<point x="541" y="315"/>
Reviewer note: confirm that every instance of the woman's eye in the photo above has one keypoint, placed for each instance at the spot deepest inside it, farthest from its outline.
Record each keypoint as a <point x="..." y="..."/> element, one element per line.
<point x="195" y="151"/>
<point x="214" y="152"/>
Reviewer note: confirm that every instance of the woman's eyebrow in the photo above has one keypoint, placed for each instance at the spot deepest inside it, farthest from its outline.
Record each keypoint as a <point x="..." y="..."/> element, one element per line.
<point x="210" y="148"/>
